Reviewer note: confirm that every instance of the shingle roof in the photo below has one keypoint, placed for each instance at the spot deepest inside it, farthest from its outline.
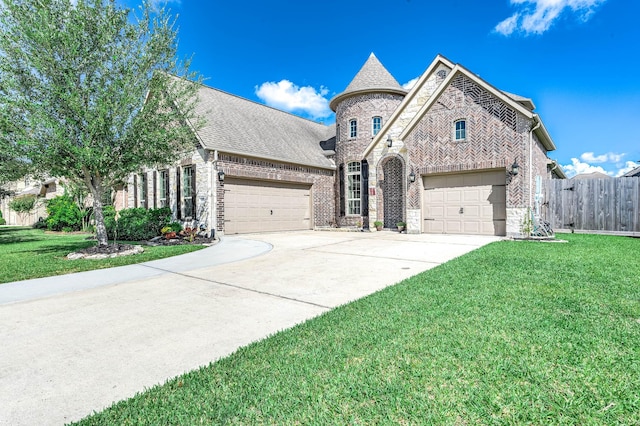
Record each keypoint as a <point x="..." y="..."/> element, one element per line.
<point x="632" y="173"/>
<point x="372" y="77"/>
<point x="525" y="102"/>
<point x="240" y="126"/>
<point x="592" y="175"/>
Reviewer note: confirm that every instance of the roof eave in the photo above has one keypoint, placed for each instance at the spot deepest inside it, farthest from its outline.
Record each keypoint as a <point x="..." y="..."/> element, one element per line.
<point x="333" y="104"/>
<point x="279" y="160"/>
<point x="544" y="135"/>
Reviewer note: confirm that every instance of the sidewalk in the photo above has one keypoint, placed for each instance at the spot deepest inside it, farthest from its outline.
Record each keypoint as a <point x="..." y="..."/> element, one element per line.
<point x="229" y="249"/>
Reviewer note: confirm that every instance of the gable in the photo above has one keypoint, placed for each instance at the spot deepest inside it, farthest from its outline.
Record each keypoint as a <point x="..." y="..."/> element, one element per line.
<point x="427" y="92"/>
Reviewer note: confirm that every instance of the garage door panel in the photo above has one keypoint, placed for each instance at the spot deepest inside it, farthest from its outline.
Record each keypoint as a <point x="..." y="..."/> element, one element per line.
<point x="256" y="206"/>
<point x="471" y="203"/>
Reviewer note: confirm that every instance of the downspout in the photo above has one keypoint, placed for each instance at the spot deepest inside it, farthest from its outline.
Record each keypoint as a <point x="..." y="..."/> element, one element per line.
<point x="213" y="175"/>
<point x="533" y="129"/>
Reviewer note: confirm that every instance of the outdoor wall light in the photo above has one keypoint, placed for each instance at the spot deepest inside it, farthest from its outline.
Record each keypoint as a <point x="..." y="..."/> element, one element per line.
<point x="221" y="176"/>
<point x="412" y="177"/>
<point x="515" y="169"/>
<point x="389" y="141"/>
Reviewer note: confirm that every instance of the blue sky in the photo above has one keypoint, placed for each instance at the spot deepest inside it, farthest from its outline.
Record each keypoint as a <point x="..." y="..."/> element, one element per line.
<point x="576" y="59"/>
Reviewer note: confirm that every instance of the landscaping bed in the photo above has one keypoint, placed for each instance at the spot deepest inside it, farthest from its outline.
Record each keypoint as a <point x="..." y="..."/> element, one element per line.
<point x="32" y="253"/>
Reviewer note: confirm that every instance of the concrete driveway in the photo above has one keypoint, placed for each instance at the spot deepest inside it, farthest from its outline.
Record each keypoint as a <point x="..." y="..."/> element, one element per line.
<point x="74" y="344"/>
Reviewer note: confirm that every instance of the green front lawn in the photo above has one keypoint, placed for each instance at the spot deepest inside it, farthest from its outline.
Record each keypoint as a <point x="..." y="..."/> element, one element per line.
<point x="513" y="333"/>
<point x="31" y="253"/>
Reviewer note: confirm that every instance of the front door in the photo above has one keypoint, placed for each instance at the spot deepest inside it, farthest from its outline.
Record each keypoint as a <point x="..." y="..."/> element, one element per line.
<point x="392" y="192"/>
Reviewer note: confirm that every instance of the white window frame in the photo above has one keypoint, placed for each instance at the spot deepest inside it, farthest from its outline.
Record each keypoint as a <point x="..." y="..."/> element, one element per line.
<point x="163" y="177"/>
<point x="187" y="189"/>
<point x="144" y="190"/>
<point x="354" y="188"/>
<point x="460" y="135"/>
<point x="353" y="128"/>
<point x="376" y="129"/>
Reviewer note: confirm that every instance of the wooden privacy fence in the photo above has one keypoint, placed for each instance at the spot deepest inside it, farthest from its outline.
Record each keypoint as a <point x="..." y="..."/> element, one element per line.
<point x="594" y="205"/>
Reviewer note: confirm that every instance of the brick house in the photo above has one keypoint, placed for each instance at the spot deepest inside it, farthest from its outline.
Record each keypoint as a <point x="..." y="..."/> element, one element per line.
<point x="451" y="155"/>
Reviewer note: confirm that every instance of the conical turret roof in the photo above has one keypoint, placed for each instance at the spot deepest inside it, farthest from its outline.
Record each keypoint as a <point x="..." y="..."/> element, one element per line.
<point x="372" y="77"/>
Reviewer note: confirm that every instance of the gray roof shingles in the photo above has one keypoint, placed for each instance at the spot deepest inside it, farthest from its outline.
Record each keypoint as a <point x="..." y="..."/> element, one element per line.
<point x="373" y="76"/>
<point x="240" y="126"/>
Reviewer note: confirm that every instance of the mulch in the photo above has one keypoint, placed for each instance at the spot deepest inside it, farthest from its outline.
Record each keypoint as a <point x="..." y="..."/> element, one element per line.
<point x="118" y="247"/>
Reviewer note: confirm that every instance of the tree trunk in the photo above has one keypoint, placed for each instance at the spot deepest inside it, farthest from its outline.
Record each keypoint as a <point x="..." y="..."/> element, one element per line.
<point x="97" y="191"/>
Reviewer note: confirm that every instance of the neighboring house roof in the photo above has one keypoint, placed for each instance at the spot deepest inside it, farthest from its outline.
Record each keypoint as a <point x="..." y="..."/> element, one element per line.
<point x="594" y="175"/>
<point x="237" y="125"/>
<point x="633" y="173"/>
<point x="372" y="77"/>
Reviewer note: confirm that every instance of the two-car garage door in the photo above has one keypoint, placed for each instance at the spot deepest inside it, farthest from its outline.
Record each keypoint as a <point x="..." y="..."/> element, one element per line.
<point x="468" y="203"/>
<point x="263" y="206"/>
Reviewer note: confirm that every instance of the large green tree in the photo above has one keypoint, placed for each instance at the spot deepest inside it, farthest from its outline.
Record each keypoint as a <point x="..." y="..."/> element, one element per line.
<point x="93" y="92"/>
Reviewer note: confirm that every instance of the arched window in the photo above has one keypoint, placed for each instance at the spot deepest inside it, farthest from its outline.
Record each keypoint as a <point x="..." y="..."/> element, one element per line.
<point x="460" y="130"/>
<point x="376" y="125"/>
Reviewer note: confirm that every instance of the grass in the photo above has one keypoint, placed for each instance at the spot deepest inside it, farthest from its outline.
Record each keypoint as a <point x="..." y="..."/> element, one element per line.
<point x="31" y="253"/>
<point x="513" y="333"/>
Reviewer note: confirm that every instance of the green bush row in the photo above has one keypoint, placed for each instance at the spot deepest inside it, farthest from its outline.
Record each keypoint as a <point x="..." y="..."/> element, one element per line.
<point x="136" y="224"/>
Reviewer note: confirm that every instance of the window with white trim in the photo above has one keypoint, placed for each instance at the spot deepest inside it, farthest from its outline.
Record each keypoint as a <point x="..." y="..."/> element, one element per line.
<point x="353" y="188"/>
<point x="187" y="191"/>
<point x="353" y="128"/>
<point x="143" y="190"/>
<point x="376" y="125"/>
<point x="460" y="130"/>
<point x="163" y="186"/>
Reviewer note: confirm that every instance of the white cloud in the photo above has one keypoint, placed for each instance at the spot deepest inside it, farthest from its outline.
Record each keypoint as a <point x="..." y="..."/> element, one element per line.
<point x="589" y="157"/>
<point x="629" y="165"/>
<point x="537" y="16"/>
<point x="578" y="167"/>
<point x="611" y="164"/>
<point x="409" y="84"/>
<point x="509" y="25"/>
<point x="287" y="96"/>
<point x="609" y="157"/>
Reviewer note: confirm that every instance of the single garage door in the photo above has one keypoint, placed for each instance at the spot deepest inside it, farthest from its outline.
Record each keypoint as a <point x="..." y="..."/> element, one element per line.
<point x="466" y="203"/>
<point x="257" y="206"/>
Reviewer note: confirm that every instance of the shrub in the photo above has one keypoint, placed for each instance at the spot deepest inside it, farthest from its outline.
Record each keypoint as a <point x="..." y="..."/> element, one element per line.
<point x="136" y="224"/>
<point x="23" y="205"/>
<point x="63" y="213"/>
<point x="175" y="226"/>
<point x="40" y="224"/>
<point x="2" y="221"/>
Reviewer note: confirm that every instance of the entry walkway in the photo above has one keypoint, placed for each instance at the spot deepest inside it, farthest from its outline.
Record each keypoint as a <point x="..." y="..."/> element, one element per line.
<point x="226" y="251"/>
<point x="74" y="344"/>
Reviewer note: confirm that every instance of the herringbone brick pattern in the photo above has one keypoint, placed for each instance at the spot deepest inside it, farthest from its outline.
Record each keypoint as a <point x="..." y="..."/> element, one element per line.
<point x="497" y="135"/>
